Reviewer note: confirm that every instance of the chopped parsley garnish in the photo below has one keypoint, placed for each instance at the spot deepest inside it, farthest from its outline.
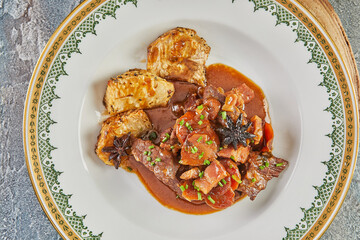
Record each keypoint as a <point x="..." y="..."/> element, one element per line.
<point x="267" y="164"/>
<point x="220" y="184"/>
<point x="199" y="139"/>
<point x="262" y="167"/>
<point x="194" y="149"/>
<point x="202" y="117"/>
<point x="200" y="107"/>
<point x="151" y="147"/>
<point x="253" y="180"/>
<point x="188" y="126"/>
<point x="172" y="147"/>
<point x="209" y="142"/>
<point x="195" y="187"/>
<point x="201" y="155"/>
<point x="211" y="200"/>
<point x="199" y="196"/>
<point x="158" y="159"/>
<point x="200" y="122"/>
<point x="167" y="137"/>
<point x="148" y="159"/>
<point x="201" y="174"/>
<point x="207" y="162"/>
<point x="232" y="157"/>
<point x="279" y="164"/>
<point x="224" y="181"/>
<point x="236" y="178"/>
<point x="223" y="115"/>
<point x="152" y="164"/>
<point x="181" y="122"/>
<point x="146" y="152"/>
<point x="182" y="188"/>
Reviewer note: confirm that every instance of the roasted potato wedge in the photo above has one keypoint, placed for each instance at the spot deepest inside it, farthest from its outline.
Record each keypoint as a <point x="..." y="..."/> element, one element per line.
<point x="137" y="89"/>
<point x="179" y="54"/>
<point x="136" y="122"/>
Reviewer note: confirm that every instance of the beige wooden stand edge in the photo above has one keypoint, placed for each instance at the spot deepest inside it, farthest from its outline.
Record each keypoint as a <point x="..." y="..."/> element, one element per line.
<point x="326" y="16"/>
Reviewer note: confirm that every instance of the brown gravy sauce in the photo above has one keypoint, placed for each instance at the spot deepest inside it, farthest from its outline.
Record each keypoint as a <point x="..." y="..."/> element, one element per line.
<point x="218" y="75"/>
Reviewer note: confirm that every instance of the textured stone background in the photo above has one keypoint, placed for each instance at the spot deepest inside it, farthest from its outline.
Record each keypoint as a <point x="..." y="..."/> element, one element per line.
<point x="25" y="27"/>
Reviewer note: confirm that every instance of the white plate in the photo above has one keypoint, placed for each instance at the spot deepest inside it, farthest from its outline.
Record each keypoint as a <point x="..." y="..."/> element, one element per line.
<point x="280" y="46"/>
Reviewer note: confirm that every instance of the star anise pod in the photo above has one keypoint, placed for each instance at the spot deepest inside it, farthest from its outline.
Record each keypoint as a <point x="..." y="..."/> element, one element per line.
<point x="119" y="148"/>
<point x="235" y="133"/>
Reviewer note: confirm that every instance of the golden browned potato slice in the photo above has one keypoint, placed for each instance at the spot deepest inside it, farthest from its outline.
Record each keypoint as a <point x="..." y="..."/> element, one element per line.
<point x="136" y="122"/>
<point x="179" y="54"/>
<point x="137" y="89"/>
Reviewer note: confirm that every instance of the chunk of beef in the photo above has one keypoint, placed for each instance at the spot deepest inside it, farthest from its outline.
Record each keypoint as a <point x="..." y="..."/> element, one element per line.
<point x="233" y="171"/>
<point x="190" y="174"/>
<point x="185" y="125"/>
<point x="260" y="169"/>
<point x="222" y="195"/>
<point x="188" y="123"/>
<point x="190" y="192"/>
<point x="233" y="107"/>
<point x="215" y="185"/>
<point x="239" y="155"/>
<point x="275" y="166"/>
<point x="244" y="91"/>
<point x="212" y="175"/>
<point x="256" y="128"/>
<point x="220" y="201"/>
<point x="211" y="108"/>
<point x="169" y="141"/>
<point x="233" y="102"/>
<point x="157" y="160"/>
<point x="200" y="145"/>
<point x="217" y="93"/>
<point x="208" y="109"/>
<point x="191" y="102"/>
<point x="236" y="99"/>
<point x="222" y="187"/>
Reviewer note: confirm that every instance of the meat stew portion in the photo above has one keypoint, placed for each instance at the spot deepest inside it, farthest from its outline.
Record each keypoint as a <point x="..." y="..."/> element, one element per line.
<point x="201" y="156"/>
<point x="209" y="146"/>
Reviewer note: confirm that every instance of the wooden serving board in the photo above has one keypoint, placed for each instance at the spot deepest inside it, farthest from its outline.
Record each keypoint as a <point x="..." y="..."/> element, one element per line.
<point x="326" y="16"/>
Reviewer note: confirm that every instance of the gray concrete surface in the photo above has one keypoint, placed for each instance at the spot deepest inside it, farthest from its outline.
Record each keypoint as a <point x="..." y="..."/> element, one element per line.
<point x="346" y="225"/>
<point x="25" y="27"/>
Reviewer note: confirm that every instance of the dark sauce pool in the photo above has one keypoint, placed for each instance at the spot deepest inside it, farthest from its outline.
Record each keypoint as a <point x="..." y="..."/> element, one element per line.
<point x="218" y="75"/>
